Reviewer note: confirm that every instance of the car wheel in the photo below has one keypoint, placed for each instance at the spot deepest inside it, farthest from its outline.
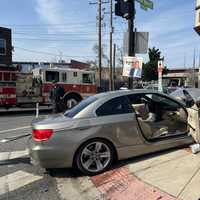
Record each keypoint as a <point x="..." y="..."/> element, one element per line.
<point x="71" y="101"/>
<point x="94" y="157"/>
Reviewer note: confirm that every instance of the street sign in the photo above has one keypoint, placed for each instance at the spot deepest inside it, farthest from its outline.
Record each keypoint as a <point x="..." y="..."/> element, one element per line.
<point x="160" y="70"/>
<point x="132" y="67"/>
<point x="145" y="4"/>
<point x="160" y="66"/>
<point x="141" y="42"/>
<point x="143" y="7"/>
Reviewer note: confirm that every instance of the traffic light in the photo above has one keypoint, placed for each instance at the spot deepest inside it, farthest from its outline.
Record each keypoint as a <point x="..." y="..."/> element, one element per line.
<point x="124" y="8"/>
<point x="118" y="8"/>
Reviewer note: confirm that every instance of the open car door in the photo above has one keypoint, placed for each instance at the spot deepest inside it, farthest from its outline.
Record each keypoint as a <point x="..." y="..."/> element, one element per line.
<point x="193" y="122"/>
<point x="193" y="116"/>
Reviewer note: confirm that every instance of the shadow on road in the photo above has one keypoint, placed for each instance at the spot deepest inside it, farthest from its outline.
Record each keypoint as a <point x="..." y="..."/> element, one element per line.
<point x="15" y="161"/>
<point x="74" y="173"/>
<point x="137" y="159"/>
<point x="64" y="173"/>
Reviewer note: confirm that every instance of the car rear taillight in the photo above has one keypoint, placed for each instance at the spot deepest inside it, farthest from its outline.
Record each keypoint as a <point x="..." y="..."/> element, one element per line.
<point x="42" y="135"/>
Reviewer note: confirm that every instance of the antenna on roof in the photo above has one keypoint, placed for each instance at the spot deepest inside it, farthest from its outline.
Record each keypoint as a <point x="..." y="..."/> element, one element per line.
<point x="194" y="64"/>
<point x="199" y="61"/>
<point x="184" y="60"/>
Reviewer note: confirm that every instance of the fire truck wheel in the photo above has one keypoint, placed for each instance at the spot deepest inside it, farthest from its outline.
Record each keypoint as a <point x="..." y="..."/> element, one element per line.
<point x="71" y="100"/>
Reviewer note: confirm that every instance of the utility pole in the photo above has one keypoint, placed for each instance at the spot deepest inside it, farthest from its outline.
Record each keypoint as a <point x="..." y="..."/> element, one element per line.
<point x="111" y="49"/>
<point x="199" y="61"/>
<point x="194" y="65"/>
<point x="131" y="41"/>
<point x="114" y="59"/>
<point x="100" y="42"/>
<point x="184" y="60"/>
<point x="99" y="2"/>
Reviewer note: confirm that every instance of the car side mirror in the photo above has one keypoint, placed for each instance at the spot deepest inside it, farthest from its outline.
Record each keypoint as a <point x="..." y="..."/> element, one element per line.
<point x="189" y="103"/>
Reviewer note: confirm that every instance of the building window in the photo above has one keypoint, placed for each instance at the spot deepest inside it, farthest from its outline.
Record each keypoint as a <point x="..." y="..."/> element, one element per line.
<point x="75" y="74"/>
<point x="199" y="17"/>
<point x="64" y="77"/>
<point x="2" y="47"/>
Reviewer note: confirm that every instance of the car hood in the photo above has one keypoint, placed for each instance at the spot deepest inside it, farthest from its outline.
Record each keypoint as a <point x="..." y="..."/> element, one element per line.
<point x="58" y="122"/>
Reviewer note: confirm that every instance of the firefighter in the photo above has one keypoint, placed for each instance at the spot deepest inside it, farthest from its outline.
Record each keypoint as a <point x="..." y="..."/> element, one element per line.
<point x="56" y="96"/>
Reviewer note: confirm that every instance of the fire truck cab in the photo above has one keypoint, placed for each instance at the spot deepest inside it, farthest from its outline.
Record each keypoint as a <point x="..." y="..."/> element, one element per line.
<point x="77" y="84"/>
<point x="27" y="89"/>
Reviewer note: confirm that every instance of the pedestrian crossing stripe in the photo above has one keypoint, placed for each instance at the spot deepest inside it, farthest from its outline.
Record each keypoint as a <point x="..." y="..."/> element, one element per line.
<point x="15" y="129"/>
<point x="16" y="181"/>
<point x="13" y="155"/>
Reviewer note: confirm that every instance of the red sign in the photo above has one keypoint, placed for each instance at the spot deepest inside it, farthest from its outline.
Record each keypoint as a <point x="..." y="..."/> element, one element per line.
<point x="160" y="66"/>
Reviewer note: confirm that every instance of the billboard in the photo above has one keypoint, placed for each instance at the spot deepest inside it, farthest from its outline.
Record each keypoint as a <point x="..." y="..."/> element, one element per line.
<point x="132" y="67"/>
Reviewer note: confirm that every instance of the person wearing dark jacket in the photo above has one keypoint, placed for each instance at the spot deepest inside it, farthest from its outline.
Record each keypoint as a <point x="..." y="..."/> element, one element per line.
<point x="56" y="95"/>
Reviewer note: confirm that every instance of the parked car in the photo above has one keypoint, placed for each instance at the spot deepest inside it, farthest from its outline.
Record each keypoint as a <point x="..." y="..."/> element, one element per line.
<point x="111" y="126"/>
<point x="194" y="92"/>
<point x="155" y="87"/>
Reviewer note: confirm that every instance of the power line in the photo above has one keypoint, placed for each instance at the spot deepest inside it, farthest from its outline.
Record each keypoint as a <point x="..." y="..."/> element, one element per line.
<point x="54" y="27"/>
<point x="61" y="34"/>
<point x="56" y="40"/>
<point x="61" y="40"/>
<point x="48" y="53"/>
<point x="39" y="25"/>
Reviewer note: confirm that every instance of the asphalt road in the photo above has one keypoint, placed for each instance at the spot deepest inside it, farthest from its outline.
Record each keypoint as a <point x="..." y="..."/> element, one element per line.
<point x="18" y="178"/>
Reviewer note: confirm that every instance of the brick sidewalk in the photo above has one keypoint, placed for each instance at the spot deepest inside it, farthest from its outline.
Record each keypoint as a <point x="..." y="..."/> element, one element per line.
<point x="119" y="184"/>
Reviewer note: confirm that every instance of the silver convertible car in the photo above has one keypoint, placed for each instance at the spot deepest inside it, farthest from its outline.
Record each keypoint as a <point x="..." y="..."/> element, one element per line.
<point x="113" y="126"/>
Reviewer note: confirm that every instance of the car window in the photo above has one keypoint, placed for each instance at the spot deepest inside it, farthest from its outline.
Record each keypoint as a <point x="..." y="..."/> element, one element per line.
<point x="78" y="108"/>
<point x="116" y="106"/>
<point x="161" y="100"/>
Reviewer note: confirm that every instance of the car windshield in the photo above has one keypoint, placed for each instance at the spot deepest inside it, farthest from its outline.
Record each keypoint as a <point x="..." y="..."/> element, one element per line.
<point x="78" y="108"/>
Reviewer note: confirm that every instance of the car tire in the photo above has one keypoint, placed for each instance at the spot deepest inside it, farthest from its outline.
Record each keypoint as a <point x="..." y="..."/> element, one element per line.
<point x="71" y="100"/>
<point x="95" y="157"/>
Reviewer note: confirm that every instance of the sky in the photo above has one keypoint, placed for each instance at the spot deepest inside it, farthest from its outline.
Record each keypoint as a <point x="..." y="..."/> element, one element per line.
<point x="49" y="30"/>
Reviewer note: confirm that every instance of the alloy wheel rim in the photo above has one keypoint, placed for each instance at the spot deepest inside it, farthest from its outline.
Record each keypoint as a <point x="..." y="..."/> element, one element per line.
<point x="95" y="157"/>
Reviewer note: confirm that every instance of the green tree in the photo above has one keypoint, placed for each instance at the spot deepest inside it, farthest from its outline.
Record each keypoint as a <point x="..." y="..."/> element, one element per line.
<point x="150" y="68"/>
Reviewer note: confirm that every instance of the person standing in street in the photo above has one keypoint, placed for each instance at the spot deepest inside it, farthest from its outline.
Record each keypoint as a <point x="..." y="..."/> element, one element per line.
<point x="56" y="95"/>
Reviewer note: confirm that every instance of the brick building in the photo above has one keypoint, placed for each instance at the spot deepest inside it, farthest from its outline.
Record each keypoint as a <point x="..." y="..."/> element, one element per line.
<point x="5" y="48"/>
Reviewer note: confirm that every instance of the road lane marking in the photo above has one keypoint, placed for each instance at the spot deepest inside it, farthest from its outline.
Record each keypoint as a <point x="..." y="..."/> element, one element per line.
<point x="13" y="155"/>
<point x="80" y="188"/>
<point x="16" y="180"/>
<point x="15" y="129"/>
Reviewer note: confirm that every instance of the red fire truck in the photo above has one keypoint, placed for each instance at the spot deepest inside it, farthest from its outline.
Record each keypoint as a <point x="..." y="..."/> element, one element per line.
<point x="26" y="89"/>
